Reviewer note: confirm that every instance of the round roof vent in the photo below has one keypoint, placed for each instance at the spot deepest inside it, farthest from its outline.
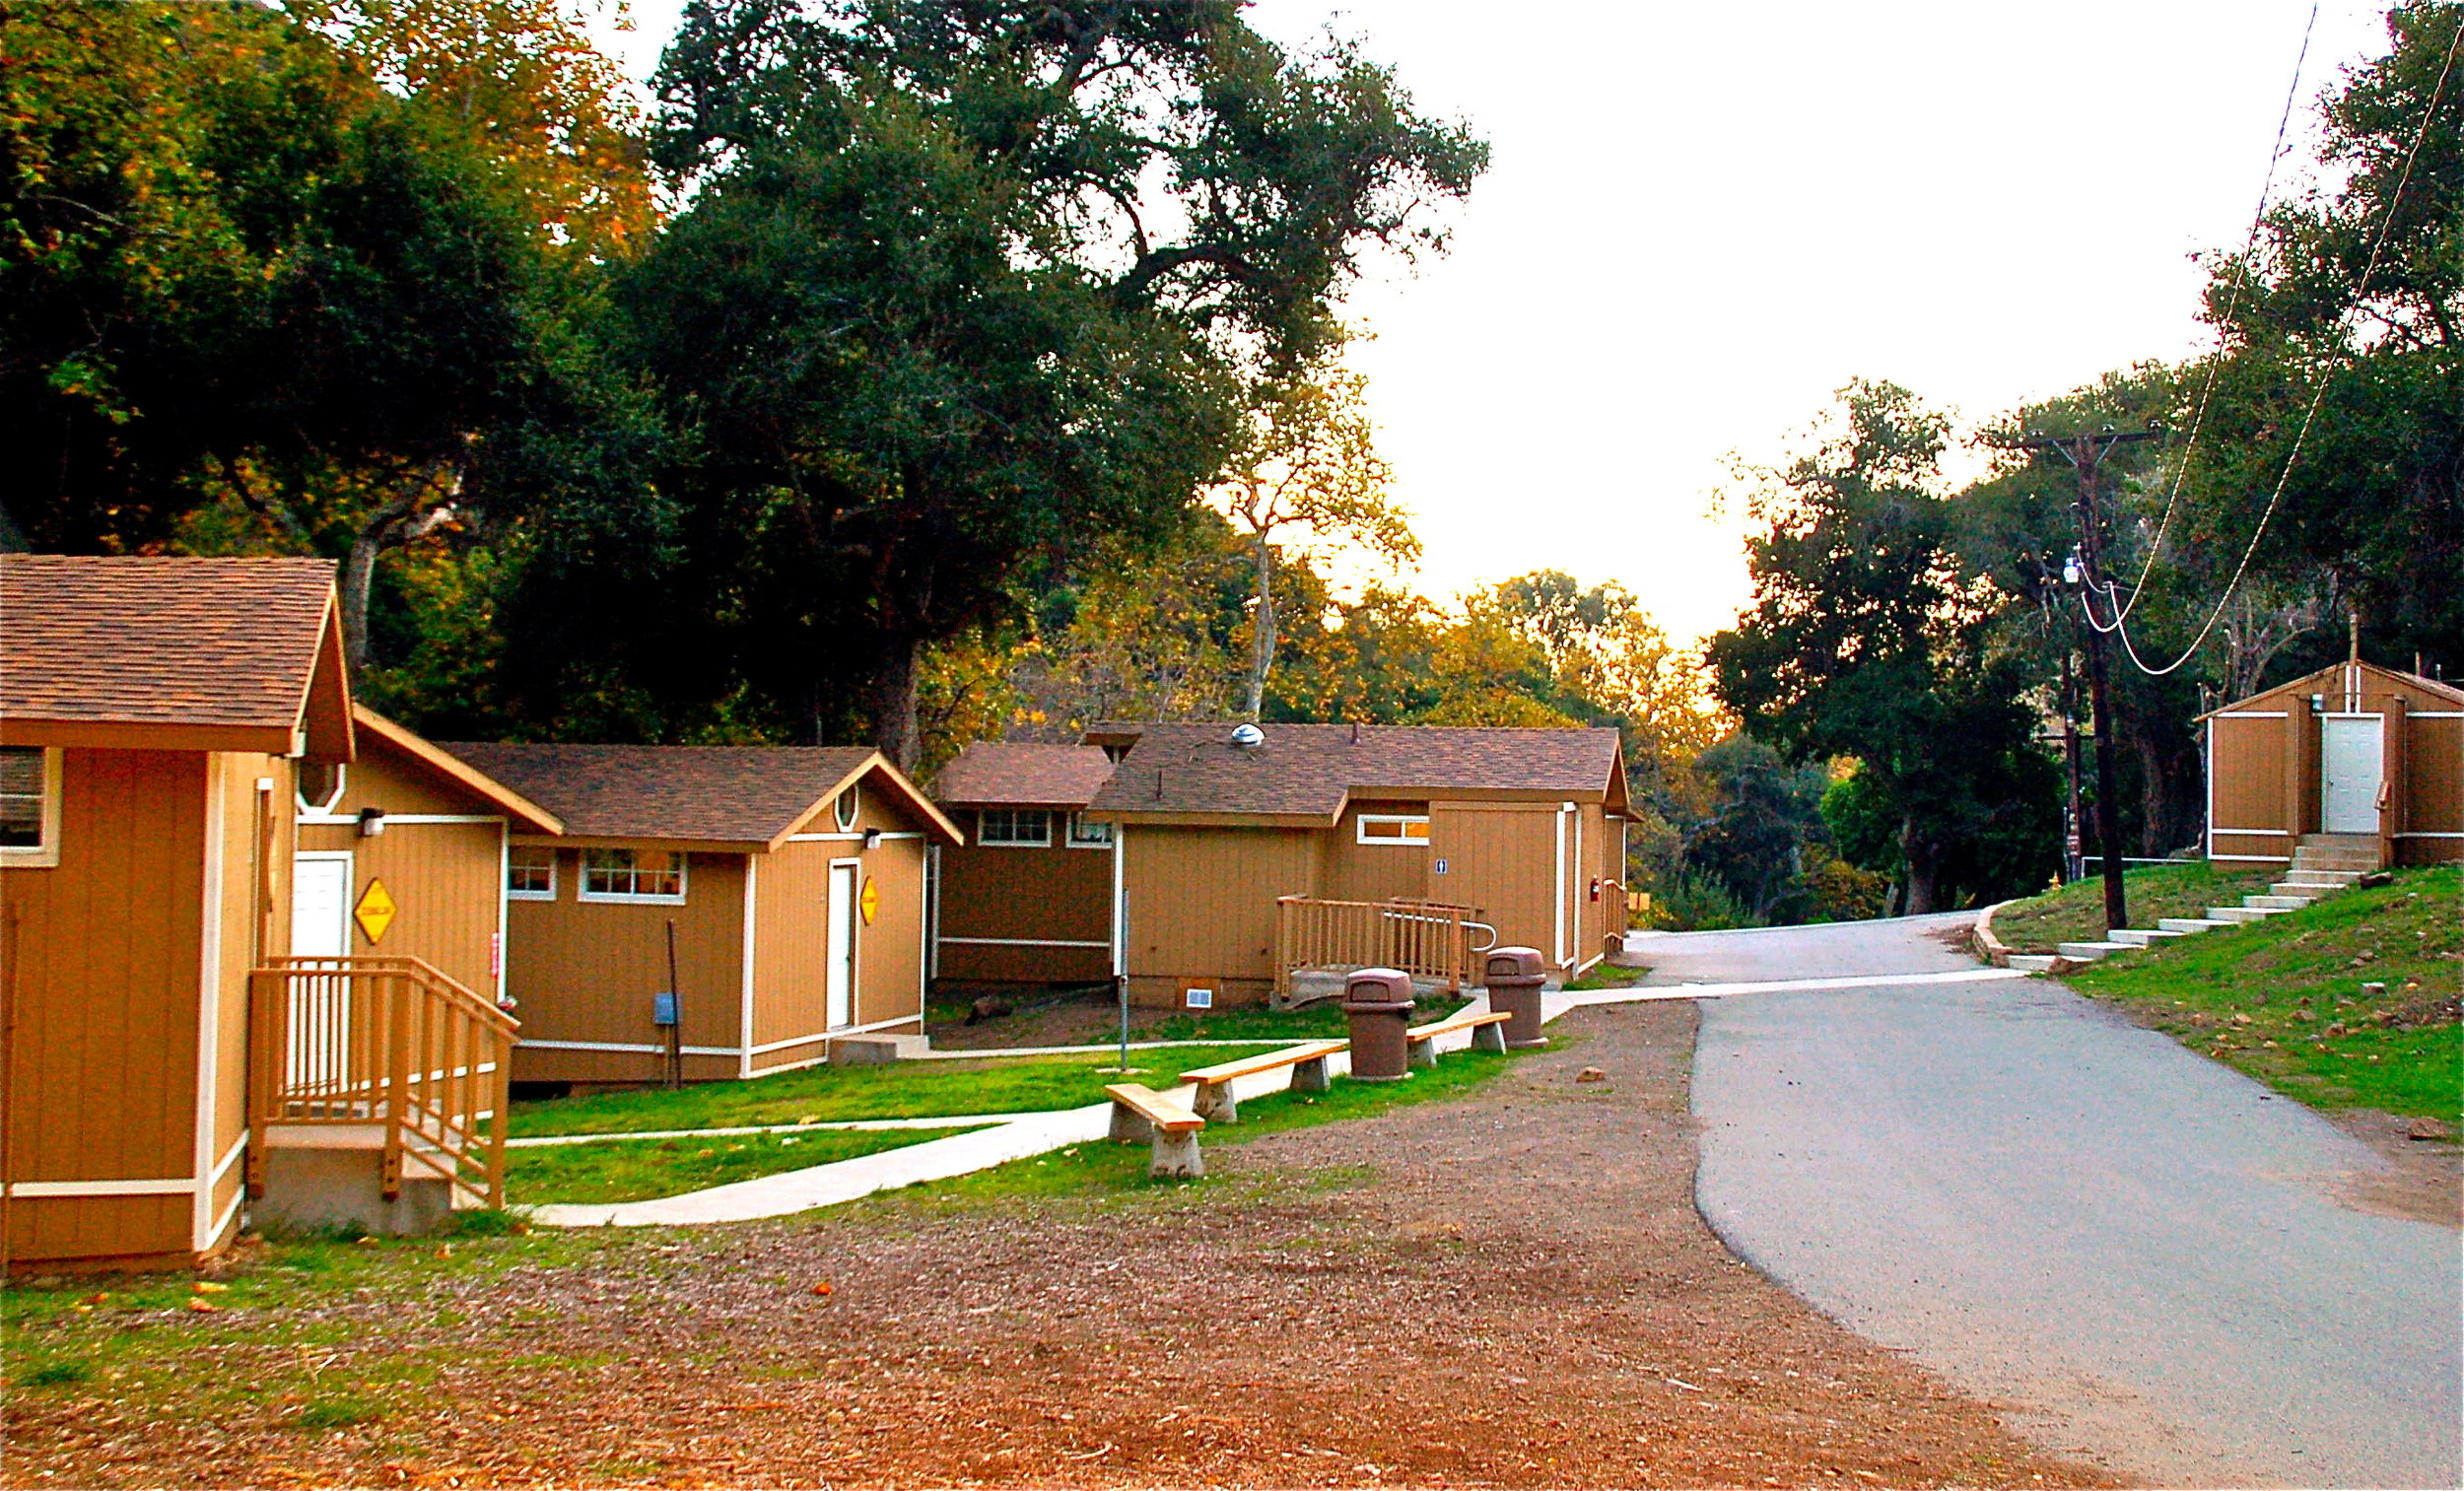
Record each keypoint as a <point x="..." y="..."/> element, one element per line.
<point x="1248" y="737"/>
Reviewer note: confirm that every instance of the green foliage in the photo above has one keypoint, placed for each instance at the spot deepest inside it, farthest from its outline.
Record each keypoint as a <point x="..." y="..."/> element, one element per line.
<point x="1694" y="900"/>
<point x="2074" y="912"/>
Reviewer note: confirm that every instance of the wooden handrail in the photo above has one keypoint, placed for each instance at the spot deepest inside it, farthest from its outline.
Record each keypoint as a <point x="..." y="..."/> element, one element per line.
<point x="390" y="1043"/>
<point x="1426" y="938"/>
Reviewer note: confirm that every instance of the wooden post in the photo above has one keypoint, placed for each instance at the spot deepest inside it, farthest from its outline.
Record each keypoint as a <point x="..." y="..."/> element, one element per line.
<point x="2299" y="725"/>
<point x="2395" y="789"/>
<point x="397" y="1015"/>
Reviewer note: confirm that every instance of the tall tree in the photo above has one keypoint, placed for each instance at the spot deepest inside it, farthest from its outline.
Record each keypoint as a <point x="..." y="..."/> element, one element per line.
<point x="964" y="285"/>
<point x="1867" y="638"/>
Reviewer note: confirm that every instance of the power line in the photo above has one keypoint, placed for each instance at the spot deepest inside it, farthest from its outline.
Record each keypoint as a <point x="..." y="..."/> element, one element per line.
<point x="2233" y="302"/>
<point x="2360" y="289"/>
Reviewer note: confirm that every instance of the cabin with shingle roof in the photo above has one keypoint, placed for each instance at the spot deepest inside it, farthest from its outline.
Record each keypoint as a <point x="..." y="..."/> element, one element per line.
<point x="1235" y="867"/>
<point x="795" y="880"/>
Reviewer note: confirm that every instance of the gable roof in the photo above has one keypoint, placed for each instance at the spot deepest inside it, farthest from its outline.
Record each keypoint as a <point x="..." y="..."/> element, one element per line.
<point x="1310" y="771"/>
<point x="237" y="654"/>
<point x="2330" y="680"/>
<point x="525" y="815"/>
<point x="746" y="797"/>
<point x="1023" y="774"/>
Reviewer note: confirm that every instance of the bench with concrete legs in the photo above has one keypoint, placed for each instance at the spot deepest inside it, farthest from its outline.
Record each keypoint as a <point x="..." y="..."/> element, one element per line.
<point x="1488" y="1033"/>
<point x="1141" y="1112"/>
<point x="1213" y="1101"/>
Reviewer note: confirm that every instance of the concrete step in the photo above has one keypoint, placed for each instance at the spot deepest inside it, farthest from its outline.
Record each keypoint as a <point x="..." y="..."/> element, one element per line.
<point x="2191" y="924"/>
<point x="2304" y="876"/>
<point x="2278" y="903"/>
<point x="2368" y="842"/>
<point x="2241" y="913"/>
<point x="2353" y="869"/>
<point x="2303" y="887"/>
<point x="2327" y="857"/>
<point x="2143" y="936"/>
<point x="2089" y="952"/>
<point x="2034" y="962"/>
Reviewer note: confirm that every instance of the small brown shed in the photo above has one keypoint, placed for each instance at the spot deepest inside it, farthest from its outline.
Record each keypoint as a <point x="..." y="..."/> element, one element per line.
<point x="2359" y="753"/>
<point x="795" y="880"/>
<point x="153" y="714"/>
<point x="1027" y="898"/>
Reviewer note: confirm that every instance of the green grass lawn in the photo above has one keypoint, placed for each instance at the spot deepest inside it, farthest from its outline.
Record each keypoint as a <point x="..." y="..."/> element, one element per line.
<point x="641" y="1170"/>
<point x="2283" y="1000"/>
<point x="2074" y="912"/>
<point x="895" y="1090"/>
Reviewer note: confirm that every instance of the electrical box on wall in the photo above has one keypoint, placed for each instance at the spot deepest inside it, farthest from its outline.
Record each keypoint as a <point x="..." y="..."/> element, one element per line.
<point x="663" y="1010"/>
<point x="1197" y="998"/>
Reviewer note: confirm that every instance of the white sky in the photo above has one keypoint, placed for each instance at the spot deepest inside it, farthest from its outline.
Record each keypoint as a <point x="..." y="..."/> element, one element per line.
<point x="1703" y="218"/>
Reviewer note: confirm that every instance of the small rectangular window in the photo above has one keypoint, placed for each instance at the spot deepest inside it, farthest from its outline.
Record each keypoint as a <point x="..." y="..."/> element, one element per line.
<point x="1089" y="834"/>
<point x="1406" y="828"/>
<point x="30" y="806"/>
<point x="1014" y="828"/>
<point x="530" y="872"/>
<point x="632" y="876"/>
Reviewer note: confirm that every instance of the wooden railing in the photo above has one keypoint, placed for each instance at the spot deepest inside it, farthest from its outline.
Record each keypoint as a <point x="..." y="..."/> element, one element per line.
<point x="386" y="1046"/>
<point x="1429" y="939"/>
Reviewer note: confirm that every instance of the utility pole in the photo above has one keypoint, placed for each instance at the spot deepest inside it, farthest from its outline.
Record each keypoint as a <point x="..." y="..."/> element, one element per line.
<point x="2086" y="455"/>
<point x="2074" y="865"/>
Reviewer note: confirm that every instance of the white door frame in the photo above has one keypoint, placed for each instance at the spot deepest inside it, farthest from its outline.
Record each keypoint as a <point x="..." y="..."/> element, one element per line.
<point x="315" y="1001"/>
<point x="2366" y="818"/>
<point x="844" y="920"/>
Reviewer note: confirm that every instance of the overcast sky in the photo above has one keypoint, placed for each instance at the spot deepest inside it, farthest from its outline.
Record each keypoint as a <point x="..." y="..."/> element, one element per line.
<point x="1703" y="218"/>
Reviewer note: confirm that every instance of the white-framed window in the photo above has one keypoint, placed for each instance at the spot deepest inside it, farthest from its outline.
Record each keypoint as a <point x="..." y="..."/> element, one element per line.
<point x="321" y="785"/>
<point x="30" y="806"/>
<point x="1088" y="834"/>
<point x="530" y="872"/>
<point x="1014" y="828"/>
<point x="843" y="807"/>
<point x="1407" y="830"/>
<point x="632" y="875"/>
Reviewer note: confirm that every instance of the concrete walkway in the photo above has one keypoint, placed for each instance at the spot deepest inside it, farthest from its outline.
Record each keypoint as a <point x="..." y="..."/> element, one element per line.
<point x="2140" y="1251"/>
<point x="1013" y="1136"/>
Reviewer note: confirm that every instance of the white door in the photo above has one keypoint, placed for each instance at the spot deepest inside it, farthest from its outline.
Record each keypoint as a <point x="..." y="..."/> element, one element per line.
<point x="318" y="1048"/>
<point x="841" y="986"/>
<point x="2349" y="766"/>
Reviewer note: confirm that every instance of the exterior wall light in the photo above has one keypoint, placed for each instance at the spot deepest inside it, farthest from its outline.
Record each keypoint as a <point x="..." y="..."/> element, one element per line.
<point x="371" y="822"/>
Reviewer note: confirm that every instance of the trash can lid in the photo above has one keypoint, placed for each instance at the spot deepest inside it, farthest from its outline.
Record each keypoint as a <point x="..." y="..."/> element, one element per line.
<point x="1378" y="985"/>
<point x="1515" y="963"/>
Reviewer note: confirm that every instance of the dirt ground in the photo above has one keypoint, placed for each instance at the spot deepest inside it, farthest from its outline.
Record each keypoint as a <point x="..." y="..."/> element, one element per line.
<point x="1511" y="1290"/>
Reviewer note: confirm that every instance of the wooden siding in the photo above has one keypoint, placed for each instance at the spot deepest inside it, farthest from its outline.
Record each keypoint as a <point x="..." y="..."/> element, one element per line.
<point x="1500" y="857"/>
<point x="889" y="954"/>
<point x="1202" y="907"/>
<point x="2435" y="753"/>
<point x="255" y="910"/>
<point x="445" y="878"/>
<point x="2264" y="772"/>
<point x="585" y="971"/>
<point x="103" y="984"/>
<point x="1059" y="893"/>
<point x="1349" y="870"/>
<point x="792" y="946"/>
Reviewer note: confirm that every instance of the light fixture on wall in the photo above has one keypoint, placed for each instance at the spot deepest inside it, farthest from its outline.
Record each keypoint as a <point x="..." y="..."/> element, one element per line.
<point x="873" y="839"/>
<point x="371" y="822"/>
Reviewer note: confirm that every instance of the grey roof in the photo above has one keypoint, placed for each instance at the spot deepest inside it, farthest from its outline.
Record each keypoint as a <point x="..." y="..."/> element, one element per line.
<point x="729" y="793"/>
<point x="1310" y="770"/>
<point x="1024" y="774"/>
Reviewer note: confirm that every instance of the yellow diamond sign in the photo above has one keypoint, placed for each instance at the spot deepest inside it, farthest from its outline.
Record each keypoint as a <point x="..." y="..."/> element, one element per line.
<point x="870" y="901"/>
<point x="375" y="912"/>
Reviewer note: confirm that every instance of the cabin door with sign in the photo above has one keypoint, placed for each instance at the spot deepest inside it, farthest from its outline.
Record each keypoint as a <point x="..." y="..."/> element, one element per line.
<point x="846" y="917"/>
<point x="316" y="1053"/>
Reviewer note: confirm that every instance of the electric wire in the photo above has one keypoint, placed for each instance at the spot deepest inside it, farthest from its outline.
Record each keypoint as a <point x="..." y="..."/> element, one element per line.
<point x="2233" y="302"/>
<point x="2395" y="201"/>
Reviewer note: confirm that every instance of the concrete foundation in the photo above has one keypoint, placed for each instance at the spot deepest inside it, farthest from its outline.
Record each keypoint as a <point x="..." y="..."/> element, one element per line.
<point x="310" y="1189"/>
<point x="877" y="1051"/>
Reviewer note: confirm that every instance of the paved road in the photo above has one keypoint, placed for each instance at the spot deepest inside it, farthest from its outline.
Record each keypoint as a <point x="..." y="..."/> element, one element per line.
<point x="2135" y="1250"/>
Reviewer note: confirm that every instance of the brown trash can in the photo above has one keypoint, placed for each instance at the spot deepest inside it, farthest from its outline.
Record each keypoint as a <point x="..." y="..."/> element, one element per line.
<point x="1378" y="1002"/>
<point x="1515" y="977"/>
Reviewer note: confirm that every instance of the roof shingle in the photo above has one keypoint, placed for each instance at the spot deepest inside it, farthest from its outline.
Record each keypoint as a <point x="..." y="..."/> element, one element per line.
<point x="1025" y="774"/>
<point x="170" y="641"/>
<point x="1310" y="770"/>
<point x="738" y="794"/>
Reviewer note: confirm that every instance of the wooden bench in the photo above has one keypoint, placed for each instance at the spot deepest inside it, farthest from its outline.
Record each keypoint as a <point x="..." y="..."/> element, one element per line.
<point x="1141" y="1112"/>
<point x="1488" y="1033"/>
<point x="1307" y="1060"/>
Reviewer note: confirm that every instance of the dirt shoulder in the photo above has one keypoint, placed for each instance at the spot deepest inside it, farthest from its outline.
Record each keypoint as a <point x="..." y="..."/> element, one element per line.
<point x="1509" y="1290"/>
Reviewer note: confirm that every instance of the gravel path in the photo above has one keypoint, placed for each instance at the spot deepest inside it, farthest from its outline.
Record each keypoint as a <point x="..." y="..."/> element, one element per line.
<point x="1512" y="1289"/>
<point x="2143" y="1250"/>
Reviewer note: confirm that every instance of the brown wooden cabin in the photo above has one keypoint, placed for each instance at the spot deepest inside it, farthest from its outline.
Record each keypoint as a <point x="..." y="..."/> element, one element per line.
<point x="1237" y="869"/>
<point x="153" y="715"/>
<point x="2365" y="754"/>
<point x="402" y="854"/>
<point x="795" y="878"/>
<point x="1027" y="898"/>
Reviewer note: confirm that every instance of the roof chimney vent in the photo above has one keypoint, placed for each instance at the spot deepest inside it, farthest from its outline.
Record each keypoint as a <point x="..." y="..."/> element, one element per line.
<point x="1356" y="733"/>
<point x="1248" y="737"/>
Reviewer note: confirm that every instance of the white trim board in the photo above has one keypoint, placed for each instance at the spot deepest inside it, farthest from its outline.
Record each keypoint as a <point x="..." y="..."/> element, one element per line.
<point x="1018" y="943"/>
<point x="390" y="820"/>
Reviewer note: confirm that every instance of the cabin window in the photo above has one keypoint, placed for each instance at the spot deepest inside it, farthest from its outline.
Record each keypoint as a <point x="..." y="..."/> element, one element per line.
<point x="632" y="876"/>
<point x="1406" y="829"/>
<point x="530" y="872"/>
<point x="1088" y="834"/>
<point x="1015" y="828"/>
<point x="29" y="805"/>
<point x="845" y="808"/>
<point x="321" y="785"/>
